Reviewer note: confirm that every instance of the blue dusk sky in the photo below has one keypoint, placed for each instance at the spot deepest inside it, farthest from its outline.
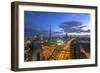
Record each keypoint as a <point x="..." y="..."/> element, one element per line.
<point x="60" y="22"/>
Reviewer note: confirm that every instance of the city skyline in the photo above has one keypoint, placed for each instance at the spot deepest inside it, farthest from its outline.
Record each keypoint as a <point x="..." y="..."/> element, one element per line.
<point x="56" y="36"/>
<point x="74" y="22"/>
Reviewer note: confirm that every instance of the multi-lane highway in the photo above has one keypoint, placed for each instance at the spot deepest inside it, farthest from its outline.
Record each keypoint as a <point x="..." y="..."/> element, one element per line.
<point x="62" y="52"/>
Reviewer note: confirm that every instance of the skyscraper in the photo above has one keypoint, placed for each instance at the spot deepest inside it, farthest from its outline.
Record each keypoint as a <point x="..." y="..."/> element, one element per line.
<point x="50" y="32"/>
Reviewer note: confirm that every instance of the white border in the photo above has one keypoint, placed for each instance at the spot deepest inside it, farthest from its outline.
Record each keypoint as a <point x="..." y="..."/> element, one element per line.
<point x="34" y="64"/>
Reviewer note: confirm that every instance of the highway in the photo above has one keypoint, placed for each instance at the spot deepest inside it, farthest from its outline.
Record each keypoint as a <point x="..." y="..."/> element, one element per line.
<point x="62" y="52"/>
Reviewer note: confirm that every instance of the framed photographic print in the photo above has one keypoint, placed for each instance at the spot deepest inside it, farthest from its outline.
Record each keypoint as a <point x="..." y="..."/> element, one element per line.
<point x="52" y="36"/>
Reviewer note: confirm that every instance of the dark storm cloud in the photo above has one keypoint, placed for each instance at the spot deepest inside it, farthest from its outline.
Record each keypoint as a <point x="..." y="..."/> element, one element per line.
<point x="82" y="26"/>
<point x="86" y="30"/>
<point x="72" y="26"/>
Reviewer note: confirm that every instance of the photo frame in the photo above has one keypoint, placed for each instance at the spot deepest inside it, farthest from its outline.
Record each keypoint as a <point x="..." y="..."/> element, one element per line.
<point x="52" y="36"/>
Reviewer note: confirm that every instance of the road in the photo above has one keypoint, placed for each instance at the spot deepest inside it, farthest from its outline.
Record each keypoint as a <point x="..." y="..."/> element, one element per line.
<point x="62" y="52"/>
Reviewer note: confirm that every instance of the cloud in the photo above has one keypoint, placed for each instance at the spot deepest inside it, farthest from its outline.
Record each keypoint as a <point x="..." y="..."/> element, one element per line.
<point x="86" y="30"/>
<point x="73" y="26"/>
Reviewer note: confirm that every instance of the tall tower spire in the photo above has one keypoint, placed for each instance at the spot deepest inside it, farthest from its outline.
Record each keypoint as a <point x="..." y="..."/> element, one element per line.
<point x="50" y="37"/>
